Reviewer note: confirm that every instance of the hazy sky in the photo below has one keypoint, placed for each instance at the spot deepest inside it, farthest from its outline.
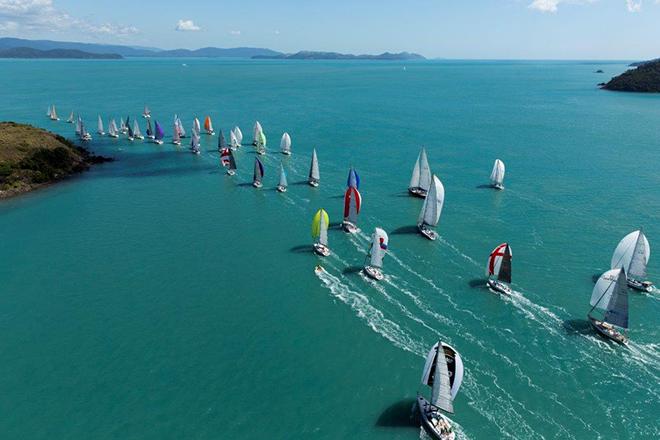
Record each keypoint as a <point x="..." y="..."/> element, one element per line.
<point x="554" y="29"/>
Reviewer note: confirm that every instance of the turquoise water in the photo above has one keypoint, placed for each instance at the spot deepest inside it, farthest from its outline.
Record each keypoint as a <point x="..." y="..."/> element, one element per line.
<point x="155" y="297"/>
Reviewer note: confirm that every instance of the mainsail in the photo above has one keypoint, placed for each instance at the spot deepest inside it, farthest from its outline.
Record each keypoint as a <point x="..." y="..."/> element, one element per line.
<point x="222" y="142"/>
<point x="196" y="127"/>
<point x="632" y="253"/>
<point x="99" y="128"/>
<point x="208" y="125"/>
<point x="136" y="129"/>
<point x="283" y="182"/>
<point x="352" y="204"/>
<point x="499" y="263"/>
<point x="194" y="143"/>
<point x="285" y="143"/>
<point x="112" y="128"/>
<point x="610" y="295"/>
<point x="258" y="171"/>
<point x="379" y="241"/>
<point x="257" y="130"/>
<point x="432" y="207"/>
<point x="239" y="135"/>
<point x="421" y="176"/>
<point x="233" y="140"/>
<point x="314" y="174"/>
<point x="454" y="365"/>
<point x="497" y="175"/>
<point x="176" y="136"/>
<point x="150" y="132"/>
<point x="160" y="134"/>
<point x="320" y="226"/>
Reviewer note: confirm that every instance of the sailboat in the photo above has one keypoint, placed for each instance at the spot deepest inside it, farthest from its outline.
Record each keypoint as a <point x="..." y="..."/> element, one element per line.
<point x="498" y="269"/>
<point x="194" y="144"/>
<point x="610" y="298"/>
<point x="129" y="130"/>
<point x="285" y="144"/>
<point x="160" y="134"/>
<point x="122" y="126"/>
<point x="182" y="131"/>
<point x="52" y="114"/>
<point x="208" y="126"/>
<point x="99" y="128"/>
<point x="150" y="132"/>
<point x="84" y="135"/>
<point x="78" y="126"/>
<point x="633" y="253"/>
<point x="258" y="175"/>
<point x="314" y="174"/>
<point x="261" y="144"/>
<point x="282" y="185"/>
<point x="113" y="132"/>
<point x="443" y="372"/>
<point x="431" y="209"/>
<point x="137" y="134"/>
<point x="233" y="140"/>
<point x="497" y="175"/>
<point x="257" y="129"/>
<point x="227" y="160"/>
<point x="352" y="206"/>
<point x="239" y="135"/>
<point x="353" y="179"/>
<point x="146" y="113"/>
<point x="71" y="118"/>
<point x="320" y="225"/>
<point x="421" y="176"/>
<point x="176" y="137"/>
<point x="222" y="142"/>
<point x="379" y="242"/>
<point x="196" y="128"/>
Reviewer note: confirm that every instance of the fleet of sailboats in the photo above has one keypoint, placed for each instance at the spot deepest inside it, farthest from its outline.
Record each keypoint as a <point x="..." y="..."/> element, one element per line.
<point x="282" y="185"/>
<point x="498" y="269"/>
<point x="633" y="253"/>
<point x="377" y="250"/>
<point x="285" y="144"/>
<point x="314" y="174"/>
<point x="429" y="216"/>
<point x="609" y="305"/>
<point x="258" y="175"/>
<point x="420" y="181"/>
<point x="497" y="175"/>
<point x="443" y="373"/>
<point x="320" y="224"/>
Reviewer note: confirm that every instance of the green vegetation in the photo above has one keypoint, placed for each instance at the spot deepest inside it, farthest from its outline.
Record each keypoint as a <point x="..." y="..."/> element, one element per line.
<point x="31" y="157"/>
<point x="644" y="78"/>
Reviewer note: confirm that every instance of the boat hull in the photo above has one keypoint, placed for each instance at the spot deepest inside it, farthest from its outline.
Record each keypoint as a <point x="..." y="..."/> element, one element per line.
<point x="349" y="227"/>
<point x="498" y="287"/>
<point x="313" y="183"/>
<point x="418" y="192"/>
<point x="436" y="424"/>
<point x="231" y="172"/>
<point x="286" y="153"/>
<point x="321" y="250"/>
<point x="281" y="189"/>
<point x="641" y="286"/>
<point x="427" y="232"/>
<point x="608" y="331"/>
<point x="374" y="273"/>
<point x="498" y="186"/>
<point x="257" y="184"/>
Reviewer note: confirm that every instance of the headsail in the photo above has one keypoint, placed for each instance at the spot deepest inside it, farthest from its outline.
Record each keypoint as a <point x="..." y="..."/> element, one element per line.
<point x="499" y="263"/>
<point x="285" y="143"/>
<point x="136" y="129"/>
<point x="352" y="204"/>
<point x="610" y="295"/>
<point x="632" y="253"/>
<point x="258" y="171"/>
<point x="283" y="182"/>
<point x="99" y="127"/>
<point x="257" y="129"/>
<point x="379" y="243"/>
<point x="320" y="226"/>
<point x="314" y="174"/>
<point x="432" y="207"/>
<point x="233" y="140"/>
<point x="239" y="134"/>
<point x="222" y="142"/>
<point x="497" y="175"/>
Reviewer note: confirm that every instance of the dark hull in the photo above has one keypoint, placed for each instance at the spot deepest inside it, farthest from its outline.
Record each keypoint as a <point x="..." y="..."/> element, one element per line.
<point x="608" y="332"/>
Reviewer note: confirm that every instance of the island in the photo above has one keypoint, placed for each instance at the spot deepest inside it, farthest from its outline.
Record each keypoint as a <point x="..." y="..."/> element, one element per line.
<point x="310" y="55"/>
<point x="31" y="158"/>
<point x="31" y="53"/>
<point x="644" y="78"/>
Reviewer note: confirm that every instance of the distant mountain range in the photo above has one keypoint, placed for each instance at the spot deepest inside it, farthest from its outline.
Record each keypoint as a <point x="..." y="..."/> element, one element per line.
<point x="309" y="55"/>
<point x="27" y="52"/>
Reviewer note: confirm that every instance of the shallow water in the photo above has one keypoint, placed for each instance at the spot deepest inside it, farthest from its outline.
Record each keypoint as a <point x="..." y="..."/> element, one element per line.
<point x="156" y="297"/>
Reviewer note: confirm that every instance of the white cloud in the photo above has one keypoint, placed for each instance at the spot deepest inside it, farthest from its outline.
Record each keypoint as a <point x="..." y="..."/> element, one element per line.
<point x="553" y="5"/>
<point x="43" y="15"/>
<point x="187" y="26"/>
<point x="545" y="5"/>
<point x="277" y="32"/>
<point x="235" y="33"/>
<point x="634" y="6"/>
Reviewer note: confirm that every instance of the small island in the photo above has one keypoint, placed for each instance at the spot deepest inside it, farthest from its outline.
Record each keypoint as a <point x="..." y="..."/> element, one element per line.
<point x="31" y="53"/>
<point x="644" y="78"/>
<point x="31" y="158"/>
<point x="311" y="55"/>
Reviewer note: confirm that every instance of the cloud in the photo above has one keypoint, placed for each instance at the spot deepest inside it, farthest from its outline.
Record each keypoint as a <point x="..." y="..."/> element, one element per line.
<point x="43" y="15"/>
<point x="553" y="5"/>
<point x="235" y="33"/>
<point x="187" y="26"/>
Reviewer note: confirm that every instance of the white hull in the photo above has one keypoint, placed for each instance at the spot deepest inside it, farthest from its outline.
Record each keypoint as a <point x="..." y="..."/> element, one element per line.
<point x="374" y="273"/>
<point x="281" y="189"/>
<point x="313" y="183"/>
<point x="608" y="331"/>
<point x="321" y="250"/>
<point x="261" y="152"/>
<point x="101" y="133"/>
<point x="139" y="137"/>
<point x="131" y="139"/>
<point x="349" y="227"/>
<point x="498" y="186"/>
<point x="113" y="136"/>
<point x="231" y="172"/>
<point x="427" y="232"/>
<point x="177" y="143"/>
<point x="498" y="287"/>
<point x="210" y="133"/>
<point x="434" y="422"/>
<point x="257" y="184"/>
<point x="158" y="142"/>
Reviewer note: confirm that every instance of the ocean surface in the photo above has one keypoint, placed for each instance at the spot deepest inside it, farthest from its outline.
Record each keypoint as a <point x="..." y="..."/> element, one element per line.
<point x="155" y="297"/>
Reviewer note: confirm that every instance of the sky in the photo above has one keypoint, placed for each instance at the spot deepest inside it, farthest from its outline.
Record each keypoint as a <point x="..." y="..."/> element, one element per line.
<point x="463" y="29"/>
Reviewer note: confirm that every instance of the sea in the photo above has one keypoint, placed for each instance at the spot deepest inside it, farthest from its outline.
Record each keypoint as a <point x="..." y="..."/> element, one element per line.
<point x="156" y="297"/>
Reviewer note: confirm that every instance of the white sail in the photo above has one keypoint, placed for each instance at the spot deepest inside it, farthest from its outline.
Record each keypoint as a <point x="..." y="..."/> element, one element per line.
<point x="100" y="126"/>
<point x="196" y="128"/>
<point x="285" y="143"/>
<point x="71" y="118"/>
<point x="79" y="125"/>
<point x="454" y="364"/>
<point x="233" y="140"/>
<point x="176" y="137"/>
<point x="283" y="182"/>
<point x="497" y="175"/>
<point x="257" y="129"/>
<point x="323" y="237"/>
<point x="632" y="253"/>
<point x="610" y="294"/>
<point x="424" y="171"/>
<point x="379" y="242"/>
<point x="432" y="208"/>
<point x="414" y="179"/>
<point x="314" y="173"/>
<point x="441" y="391"/>
<point x="239" y="134"/>
<point x="53" y="113"/>
<point x="49" y="112"/>
<point x="136" y="129"/>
